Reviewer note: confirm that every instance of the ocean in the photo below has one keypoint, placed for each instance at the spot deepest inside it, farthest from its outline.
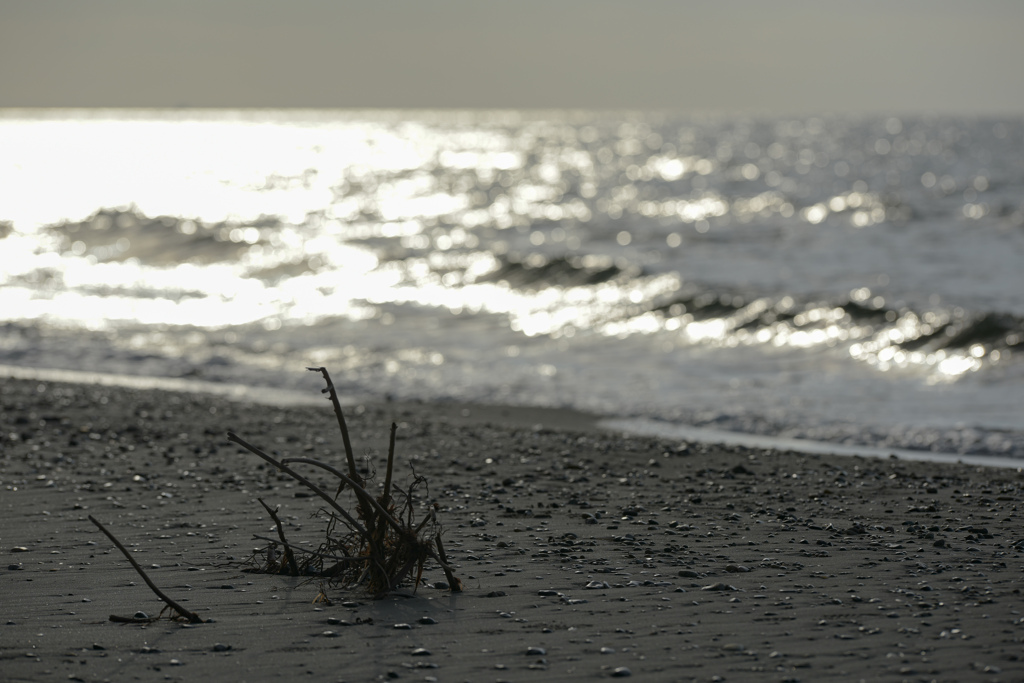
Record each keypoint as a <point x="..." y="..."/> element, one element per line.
<point x="852" y="280"/>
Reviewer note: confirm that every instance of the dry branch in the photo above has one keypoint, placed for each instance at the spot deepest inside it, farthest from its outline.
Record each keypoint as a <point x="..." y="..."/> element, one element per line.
<point x="192" y="617"/>
<point x="329" y="390"/>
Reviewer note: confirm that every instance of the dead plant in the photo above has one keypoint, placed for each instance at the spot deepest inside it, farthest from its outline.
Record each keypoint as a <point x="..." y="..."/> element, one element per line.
<point x="377" y="544"/>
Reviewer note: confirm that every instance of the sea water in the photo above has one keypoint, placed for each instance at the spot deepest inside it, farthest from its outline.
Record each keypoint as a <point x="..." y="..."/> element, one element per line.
<point x="857" y="280"/>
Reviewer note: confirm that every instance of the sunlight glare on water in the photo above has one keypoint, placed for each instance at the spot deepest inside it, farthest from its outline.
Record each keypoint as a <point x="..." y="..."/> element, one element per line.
<point x="702" y="269"/>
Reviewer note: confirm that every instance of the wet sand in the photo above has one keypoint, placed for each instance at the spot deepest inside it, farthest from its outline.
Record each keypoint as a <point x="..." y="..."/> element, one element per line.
<point x="585" y="554"/>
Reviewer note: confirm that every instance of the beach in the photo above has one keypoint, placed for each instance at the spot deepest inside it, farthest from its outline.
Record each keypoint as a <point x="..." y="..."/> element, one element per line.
<point x="583" y="553"/>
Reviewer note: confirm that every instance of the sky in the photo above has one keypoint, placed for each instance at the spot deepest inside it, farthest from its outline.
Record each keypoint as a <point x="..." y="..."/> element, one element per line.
<point x="754" y="56"/>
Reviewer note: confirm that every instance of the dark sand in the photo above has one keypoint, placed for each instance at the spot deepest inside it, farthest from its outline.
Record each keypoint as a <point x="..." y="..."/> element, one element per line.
<point x="676" y="561"/>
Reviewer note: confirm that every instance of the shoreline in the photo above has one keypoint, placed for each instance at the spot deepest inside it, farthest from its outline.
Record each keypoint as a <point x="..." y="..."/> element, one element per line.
<point x="521" y="416"/>
<point x="584" y="553"/>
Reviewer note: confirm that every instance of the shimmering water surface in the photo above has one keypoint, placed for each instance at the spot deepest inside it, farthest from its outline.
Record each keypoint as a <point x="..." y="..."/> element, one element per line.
<point x="851" y="280"/>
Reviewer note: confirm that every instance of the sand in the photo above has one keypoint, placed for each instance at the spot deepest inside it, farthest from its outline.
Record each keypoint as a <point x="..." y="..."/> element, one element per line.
<point x="585" y="554"/>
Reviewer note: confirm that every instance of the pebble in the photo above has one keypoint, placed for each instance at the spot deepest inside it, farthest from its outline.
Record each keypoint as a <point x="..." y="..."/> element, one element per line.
<point x="688" y="573"/>
<point x="719" y="587"/>
<point x="221" y="647"/>
<point x="734" y="568"/>
<point x="536" y="651"/>
<point x="427" y="620"/>
<point x="607" y="650"/>
<point x="330" y="634"/>
<point x="141" y="615"/>
<point x="403" y="627"/>
<point x="594" y="585"/>
<point x="621" y="672"/>
<point x="421" y="652"/>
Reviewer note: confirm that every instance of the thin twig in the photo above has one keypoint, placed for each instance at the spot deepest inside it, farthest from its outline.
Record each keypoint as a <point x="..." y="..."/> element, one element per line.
<point x="454" y="585"/>
<point x="363" y="493"/>
<point x="349" y="454"/>
<point x="324" y="556"/>
<point x="299" y="478"/>
<point x="288" y="554"/>
<point x="386" y="497"/>
<point x="192" y="617"/>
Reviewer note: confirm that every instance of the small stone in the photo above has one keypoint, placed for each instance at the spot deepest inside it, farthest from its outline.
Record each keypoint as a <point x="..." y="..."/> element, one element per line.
<point x="595" y="585"/>
<point x="734" y="568"/>
<point x="149" y="650"/>
<point x="621" y="672"/>
<point x="536" y="652"/>
<point x="427" y="620"/>
<point x="97" y="646"/>
<point x="719" y="587"/>
<point x="227" y="587"/>
<point x="688" y="574"/>
<point x="221" y="647"/>
<point x="14" y="567"/>
<point x="421" y="652"/>
<point x="141" y="615"/>
<point x="607" y="650"/>
<point x="330" y="634"/>
<point x="175" y="662"/>
<point x="496" y="594"/>
<point x="402" y="627"/>
<point x="19" y="549"/>
<point x="547" y="593"/>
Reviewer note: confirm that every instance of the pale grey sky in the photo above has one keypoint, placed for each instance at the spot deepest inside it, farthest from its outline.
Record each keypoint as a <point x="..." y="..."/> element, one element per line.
<point x="799" y="56"/>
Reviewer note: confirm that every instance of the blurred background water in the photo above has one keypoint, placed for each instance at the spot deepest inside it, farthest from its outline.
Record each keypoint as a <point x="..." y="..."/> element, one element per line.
<point x="854" y="280"/>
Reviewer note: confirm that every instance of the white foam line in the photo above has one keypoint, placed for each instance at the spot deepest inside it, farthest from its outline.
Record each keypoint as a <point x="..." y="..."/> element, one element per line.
<point x="646" y="427"/>
<point x="233" y="392"/>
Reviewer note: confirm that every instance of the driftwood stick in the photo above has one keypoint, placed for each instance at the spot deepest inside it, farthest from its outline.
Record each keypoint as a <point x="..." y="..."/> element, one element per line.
<point x="454" y="585"/>
<point x="330" y="391"/>
<point x="386" y="497"/>
<point x="192" y="617"/>
<point x="234" y="438"/>
<point x="288" y="554"/>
